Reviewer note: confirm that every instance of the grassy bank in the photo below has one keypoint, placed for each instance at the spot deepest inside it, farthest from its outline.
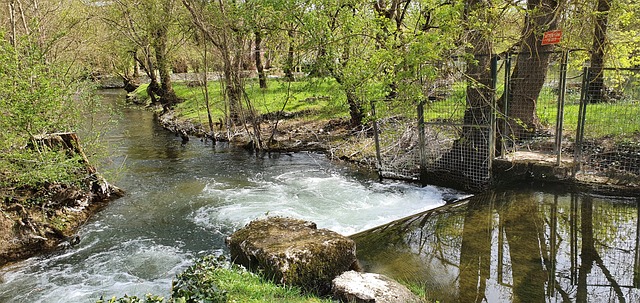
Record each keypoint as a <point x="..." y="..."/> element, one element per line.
<point x="212" y="280"/>
<point x="317" y="98"/>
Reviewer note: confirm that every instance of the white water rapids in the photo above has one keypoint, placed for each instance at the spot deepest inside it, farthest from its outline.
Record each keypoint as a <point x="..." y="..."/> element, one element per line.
<point x="183" y="200"/>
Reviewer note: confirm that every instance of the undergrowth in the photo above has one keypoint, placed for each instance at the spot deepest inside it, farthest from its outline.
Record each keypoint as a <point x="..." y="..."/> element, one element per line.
<point x="211" y="279"/>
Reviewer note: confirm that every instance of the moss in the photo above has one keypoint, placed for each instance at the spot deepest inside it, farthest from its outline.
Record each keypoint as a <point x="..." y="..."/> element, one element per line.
<point x="293" y="252"/>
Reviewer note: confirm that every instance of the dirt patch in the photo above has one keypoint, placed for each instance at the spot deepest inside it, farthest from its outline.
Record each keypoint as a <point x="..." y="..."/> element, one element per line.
<point x="289" y="133"/>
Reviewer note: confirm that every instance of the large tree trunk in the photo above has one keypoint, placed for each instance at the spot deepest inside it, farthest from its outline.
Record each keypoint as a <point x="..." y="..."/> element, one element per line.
<point x="154" y="89"/>
<point x="595" y="89"/>
<point x="530" y="70"/>
<point x="168" y="97"/>
<point x="465" y="165"/>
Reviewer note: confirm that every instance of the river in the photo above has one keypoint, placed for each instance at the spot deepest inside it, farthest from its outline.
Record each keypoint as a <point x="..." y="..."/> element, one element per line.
<point x="183" y="200"/>
<point x="533" y="243"/>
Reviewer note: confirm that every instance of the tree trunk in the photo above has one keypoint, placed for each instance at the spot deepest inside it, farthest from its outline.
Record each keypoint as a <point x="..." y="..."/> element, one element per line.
<point x="168" y="97"/>
<point x="595" y="89"/>
<point x="262" y="77"/>
<point x="355" y="109"/>
<point x="530" y="70"/>
<point x="154" y="89"/>
<point x="288" y="65"/>
<point x="465" y="164"/>
<point x="221" y="40"/>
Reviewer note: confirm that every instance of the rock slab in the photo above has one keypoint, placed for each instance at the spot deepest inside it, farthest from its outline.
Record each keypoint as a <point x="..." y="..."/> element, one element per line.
<point x="293" y="252"/>
<point x="356" y="287"/>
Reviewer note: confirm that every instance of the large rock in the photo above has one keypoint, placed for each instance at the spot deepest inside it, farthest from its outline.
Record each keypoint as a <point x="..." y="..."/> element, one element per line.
<point x="355" y="287"/>
<point x="293" y="252"/>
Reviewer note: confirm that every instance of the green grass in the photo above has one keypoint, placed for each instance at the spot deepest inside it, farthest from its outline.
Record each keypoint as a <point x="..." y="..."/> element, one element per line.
<point x="323" y="98"/>
<point x="27" y="168"/>
<point x="243" y="286"/>
<point x="212" y="280"/>
<point x="620" y="119"/>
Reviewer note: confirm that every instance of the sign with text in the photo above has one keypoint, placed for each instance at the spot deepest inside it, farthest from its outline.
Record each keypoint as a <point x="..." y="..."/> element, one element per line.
<point x="552" y="37"/>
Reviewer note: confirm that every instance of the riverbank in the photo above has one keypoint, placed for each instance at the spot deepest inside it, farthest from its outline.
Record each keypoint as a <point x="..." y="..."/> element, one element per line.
<point x="291" y="132"/>
<point x="42" y="218"/>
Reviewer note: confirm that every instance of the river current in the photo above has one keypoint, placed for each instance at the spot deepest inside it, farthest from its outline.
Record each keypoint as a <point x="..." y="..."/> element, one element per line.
<point x="183" y="200"/>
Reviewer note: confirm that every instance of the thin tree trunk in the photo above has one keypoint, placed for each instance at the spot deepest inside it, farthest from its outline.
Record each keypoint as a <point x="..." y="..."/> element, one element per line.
<point x="288" y="65"/>
<point x="12" y="20"/>
<point x="205" y="82"/>
<point x="262" y="77"/>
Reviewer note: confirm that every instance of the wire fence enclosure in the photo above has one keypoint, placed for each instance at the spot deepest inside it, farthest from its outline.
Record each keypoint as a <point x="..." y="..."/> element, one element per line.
<point x="586" y="118"/>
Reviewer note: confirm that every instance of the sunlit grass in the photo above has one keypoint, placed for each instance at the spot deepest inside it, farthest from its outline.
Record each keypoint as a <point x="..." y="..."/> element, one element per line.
<point x="320" y="98"/>
<point x="324" y="99"/>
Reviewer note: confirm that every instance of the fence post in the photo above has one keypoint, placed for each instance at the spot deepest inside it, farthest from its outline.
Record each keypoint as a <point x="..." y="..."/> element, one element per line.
<point x="493" y="119"/>
<point x="582" y="112"/>
<point x="562" y="90"/>
<point x="507" y="92"/>
<point x="421" y="139"/>
<point x="376" y="139"/>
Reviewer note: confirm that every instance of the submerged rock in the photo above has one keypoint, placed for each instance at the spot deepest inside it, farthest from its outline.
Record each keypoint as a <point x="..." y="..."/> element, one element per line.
<point x="358" y="287"/>
<point x="293" y="252"/>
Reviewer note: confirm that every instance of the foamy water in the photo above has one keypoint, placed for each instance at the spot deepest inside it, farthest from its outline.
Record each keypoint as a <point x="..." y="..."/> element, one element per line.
<point x="330" y="200"/>
<point x="182" y="202"/>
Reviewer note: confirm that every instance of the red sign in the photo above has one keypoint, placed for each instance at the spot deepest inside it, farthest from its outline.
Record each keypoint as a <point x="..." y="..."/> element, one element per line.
<point x="552" y="37"/>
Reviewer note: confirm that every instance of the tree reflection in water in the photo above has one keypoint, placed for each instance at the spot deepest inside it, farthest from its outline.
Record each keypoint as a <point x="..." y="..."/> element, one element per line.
<point x="514" y="246"/>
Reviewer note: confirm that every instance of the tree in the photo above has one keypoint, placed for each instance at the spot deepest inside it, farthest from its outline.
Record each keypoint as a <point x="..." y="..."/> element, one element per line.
<point x="531" y="67"/>
<point x="225" y="26"/>
<point x="147" y="24"/>
<point x="468" y="158"/>
<point x="340" y="31"/>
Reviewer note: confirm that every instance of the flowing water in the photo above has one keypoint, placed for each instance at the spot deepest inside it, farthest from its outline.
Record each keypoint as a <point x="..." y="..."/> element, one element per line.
<point x="184" y="199"/>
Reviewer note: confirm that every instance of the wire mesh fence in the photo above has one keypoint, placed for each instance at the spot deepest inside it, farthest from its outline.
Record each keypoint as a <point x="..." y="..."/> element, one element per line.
<point x="609" y="121"/>
<point x="586" y="118"/>
<point x="448" y="140"/>
<point x="538" y="94"/>
<point x="398" y="148"/>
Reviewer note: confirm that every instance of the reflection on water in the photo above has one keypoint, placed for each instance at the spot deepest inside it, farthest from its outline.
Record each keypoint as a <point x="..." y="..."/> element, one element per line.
<point x="515" y="246"/>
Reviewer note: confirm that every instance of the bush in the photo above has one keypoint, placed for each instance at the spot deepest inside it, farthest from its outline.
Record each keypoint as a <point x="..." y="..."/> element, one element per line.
<point x="35" y="98"/>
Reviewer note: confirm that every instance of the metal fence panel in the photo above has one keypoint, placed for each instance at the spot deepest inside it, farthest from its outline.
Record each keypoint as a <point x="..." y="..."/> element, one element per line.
<point x="608" y="140"/>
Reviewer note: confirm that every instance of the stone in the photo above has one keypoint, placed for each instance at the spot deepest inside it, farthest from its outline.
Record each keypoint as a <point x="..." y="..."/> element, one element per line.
<point x="293" y="252"/>
<point x="356" y="287"/>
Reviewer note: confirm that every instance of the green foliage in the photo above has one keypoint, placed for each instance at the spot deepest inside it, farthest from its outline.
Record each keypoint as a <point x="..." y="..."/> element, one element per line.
<point x="199" y="283"/>
<point x="213" y="280"/>
<point x="149" y="298"/>
<point x="35" y="98"/>
<point x="29" y="168"/>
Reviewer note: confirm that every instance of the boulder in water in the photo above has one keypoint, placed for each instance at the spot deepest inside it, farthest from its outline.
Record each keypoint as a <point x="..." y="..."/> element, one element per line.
<point x="293" y="252"/>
